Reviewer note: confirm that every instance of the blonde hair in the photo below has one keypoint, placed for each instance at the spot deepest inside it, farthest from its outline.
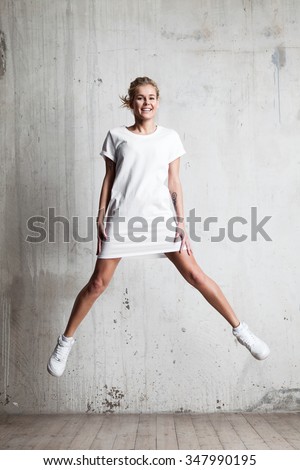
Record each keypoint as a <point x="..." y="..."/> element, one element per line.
<point x="127" y="100"/>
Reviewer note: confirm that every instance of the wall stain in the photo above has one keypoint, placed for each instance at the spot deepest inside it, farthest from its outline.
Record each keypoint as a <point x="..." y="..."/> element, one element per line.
<point x="89" y="407"/>
<point x="114" y="399"/>
<point x="105" y="404"/>
<point x="279" y="57"/>
<point x="279" y="60"/>
<point x="183" y="410"/>
<point x="219" y="407"/>
<point x="143" y="397"/>
<point x="130" y="336"/>
<point x="2" y="54"/>
<point x="6" y="348"/>
<point x="196" y="35"/>
<point x="287" y="399"/>
<point x="5" y="400"/>
<point x="99" y="81"/>
<point x="272" y="31"/>
<point x="126" y="301"/>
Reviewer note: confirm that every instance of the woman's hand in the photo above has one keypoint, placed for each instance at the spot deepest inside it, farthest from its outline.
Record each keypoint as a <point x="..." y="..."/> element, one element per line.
<point x="185" y="241"/>
<point x="101" y="235"/>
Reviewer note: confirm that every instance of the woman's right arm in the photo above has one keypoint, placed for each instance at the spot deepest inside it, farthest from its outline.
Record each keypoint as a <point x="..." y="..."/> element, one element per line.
<point x="104" y="199"/>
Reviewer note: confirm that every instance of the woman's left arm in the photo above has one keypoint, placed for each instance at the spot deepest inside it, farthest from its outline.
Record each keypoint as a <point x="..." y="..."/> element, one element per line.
<point x="175" y="188"/>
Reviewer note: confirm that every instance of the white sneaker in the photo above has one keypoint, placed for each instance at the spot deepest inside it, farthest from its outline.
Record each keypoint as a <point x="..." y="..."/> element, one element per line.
<point x="256" y="346"/>
<point x="58" y="359"/>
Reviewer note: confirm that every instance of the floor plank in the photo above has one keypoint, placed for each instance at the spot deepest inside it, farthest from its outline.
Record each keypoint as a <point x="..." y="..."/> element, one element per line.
<point x="185" y="432"/>
<point x="225" y="432"/>
<point x="63" y="438"/>
<point x="146" y="432"/>
<point x="106" y="436"/>
<point x="257" y="431"/>
<point x="293" y="420"/>
<point x="206" y="434"/>
<point x="247" y="434"/>
<point x="20" y="432"/>
<point x="127" y="432"/>
<point x="8" y="424"/>
<point x="88" y="432"/>
<point x="48" y="427"/>
<point x="282" y="427"/>
<point x="166" y="433"/>
<point x="272" y="438"/>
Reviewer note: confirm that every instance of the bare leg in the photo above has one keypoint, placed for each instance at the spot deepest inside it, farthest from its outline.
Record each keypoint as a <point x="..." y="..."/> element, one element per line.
<point x="191" y="271"/>
<point x="104" y="270"/>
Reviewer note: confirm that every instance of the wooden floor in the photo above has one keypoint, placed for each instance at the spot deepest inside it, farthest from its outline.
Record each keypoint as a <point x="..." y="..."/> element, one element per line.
<point x="151" y="431"/>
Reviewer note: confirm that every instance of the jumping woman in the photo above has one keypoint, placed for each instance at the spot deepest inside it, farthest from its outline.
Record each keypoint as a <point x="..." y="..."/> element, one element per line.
<point x="141" y="213"/>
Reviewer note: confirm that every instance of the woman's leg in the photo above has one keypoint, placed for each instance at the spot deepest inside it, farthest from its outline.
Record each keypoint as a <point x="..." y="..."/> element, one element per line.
<point x="191" y="271"/>
<point x="98" y="282"/>
<point x="103" y="272"/>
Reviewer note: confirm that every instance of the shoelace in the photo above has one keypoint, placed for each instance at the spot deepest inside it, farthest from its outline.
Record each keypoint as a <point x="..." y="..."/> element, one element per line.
<point x="61" y="352"/>
<point x="249" y="339"/>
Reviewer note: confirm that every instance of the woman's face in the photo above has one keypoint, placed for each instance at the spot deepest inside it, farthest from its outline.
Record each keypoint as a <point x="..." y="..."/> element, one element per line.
<point x="145" y="103"/>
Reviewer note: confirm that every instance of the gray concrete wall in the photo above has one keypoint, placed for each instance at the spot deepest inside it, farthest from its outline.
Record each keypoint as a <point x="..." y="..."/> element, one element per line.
<point x="229" y="78"/>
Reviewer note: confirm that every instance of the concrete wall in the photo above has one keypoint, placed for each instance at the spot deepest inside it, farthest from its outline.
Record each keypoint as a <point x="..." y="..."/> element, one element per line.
<point x="229" y="78"/>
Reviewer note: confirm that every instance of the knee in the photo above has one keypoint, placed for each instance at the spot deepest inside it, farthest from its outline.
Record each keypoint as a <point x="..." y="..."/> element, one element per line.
<point x="96" y="286"/>
<point x="197" y="278"/>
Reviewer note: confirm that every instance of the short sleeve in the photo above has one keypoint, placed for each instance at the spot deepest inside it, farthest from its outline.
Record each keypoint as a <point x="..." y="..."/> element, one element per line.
<point x="108" y="148"/>
<point x="177" y="148"/>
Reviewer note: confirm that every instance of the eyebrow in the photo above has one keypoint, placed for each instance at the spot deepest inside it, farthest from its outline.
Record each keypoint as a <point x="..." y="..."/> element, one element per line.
<point x="140" y="94"/>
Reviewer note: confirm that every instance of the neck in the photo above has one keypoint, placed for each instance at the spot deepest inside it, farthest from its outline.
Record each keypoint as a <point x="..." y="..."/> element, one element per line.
<point x="143" y="127"/>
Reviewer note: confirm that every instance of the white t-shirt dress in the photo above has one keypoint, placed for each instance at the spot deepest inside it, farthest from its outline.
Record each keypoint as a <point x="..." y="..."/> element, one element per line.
<point x="140" y="217"/>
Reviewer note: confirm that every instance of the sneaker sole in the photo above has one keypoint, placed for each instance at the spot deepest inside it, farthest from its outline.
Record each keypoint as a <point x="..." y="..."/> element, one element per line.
<point x="263" y="356"/>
